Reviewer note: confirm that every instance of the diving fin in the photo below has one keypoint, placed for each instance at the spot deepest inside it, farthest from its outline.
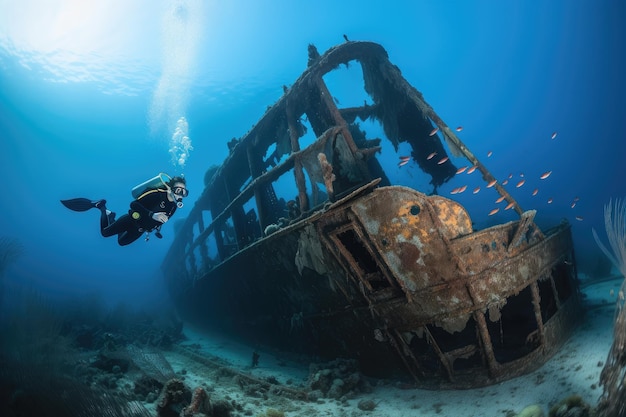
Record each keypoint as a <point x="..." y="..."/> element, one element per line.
<point x="82" y="204"/>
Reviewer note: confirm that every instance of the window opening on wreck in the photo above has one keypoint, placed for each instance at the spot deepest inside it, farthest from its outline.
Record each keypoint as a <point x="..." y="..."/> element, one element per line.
<point x="547" y="297"/>
<point x="563" y="275"/>
<point x="306" y="134"/>
<point x="316" y="189"/>
<point x="210" y="252"/>
<point x="347" y="86"/>
<point x="251" y="229"/>
<point x="206" y="255"/>
<point x="409" y="174"/>
<point x="228" y="237"/>
<point x="196" y="263"/>
<point x="514" y="334"/>
<point x="364" y="260"/>
<point x="286" y="204"/>
<point x="280" y="149"/>
<point x="245" y="184"/>
<point x="461" y="349"/>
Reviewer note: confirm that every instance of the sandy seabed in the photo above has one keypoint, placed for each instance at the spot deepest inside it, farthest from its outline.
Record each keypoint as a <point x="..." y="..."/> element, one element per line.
<point x="575" y="369"/>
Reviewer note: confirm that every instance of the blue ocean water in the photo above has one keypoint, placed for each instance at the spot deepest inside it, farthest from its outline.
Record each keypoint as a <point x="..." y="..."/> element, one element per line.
<point x="91" y="97"/>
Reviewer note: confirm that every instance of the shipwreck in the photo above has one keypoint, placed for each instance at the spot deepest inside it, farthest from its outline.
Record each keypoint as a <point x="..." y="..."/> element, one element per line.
<point x="301" y="242"/>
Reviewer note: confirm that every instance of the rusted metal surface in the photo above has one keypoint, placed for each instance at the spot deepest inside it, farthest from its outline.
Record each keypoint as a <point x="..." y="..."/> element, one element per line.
<point x="350" y="265"/>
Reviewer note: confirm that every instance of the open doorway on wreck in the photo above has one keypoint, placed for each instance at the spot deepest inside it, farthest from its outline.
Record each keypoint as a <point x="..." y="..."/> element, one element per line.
<point x="513" y="329"/>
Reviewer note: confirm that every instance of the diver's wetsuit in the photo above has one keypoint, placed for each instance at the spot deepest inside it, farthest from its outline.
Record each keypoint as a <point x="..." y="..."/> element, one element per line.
<point x="129" y="227"/>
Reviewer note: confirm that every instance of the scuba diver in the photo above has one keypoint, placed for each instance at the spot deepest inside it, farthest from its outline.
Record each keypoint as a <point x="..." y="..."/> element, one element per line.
<point x="156" y="200"/>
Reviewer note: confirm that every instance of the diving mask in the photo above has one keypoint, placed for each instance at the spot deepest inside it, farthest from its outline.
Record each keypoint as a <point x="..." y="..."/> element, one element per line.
<point x="180" y="191"/>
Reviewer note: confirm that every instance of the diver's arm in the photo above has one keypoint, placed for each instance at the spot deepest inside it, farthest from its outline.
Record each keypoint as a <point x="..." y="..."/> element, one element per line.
<point x="145" y="202"/>
<point x="142" y="212"/>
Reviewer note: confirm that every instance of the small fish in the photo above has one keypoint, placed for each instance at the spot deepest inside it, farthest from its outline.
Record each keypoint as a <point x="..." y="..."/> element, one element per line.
<point x="494" y="211"/>
<point x="510" y="176"/>
<point x="521" y="174"/>
<point x="579" y="218"/>
<point x="553" y="136"/>
<point x="443" y="160"/>
<point x="573" y="204"/>
<point x="612" y="292"/>
<point x="489" y="154"/>
<point x="431" y="155"/>
<point x="476" y="190"/>
<point x="550" y="200"/>
<point x="463" y="188"/>
<point x="492" y="183"/>
<point x="455" y="190"/>
<point x="535" y="191"/>
<point x="405" y="158"/>
<point x="519" y="184"/>
<point x="576" y="199"/>
<point x="472" y="169"/>
<point x="459" y="128"/>
<point x="505" y="182"/>
<point x="461" y="170"/>
<point x="433" y="132"/>
<point x="403" y="162"/>
<point x="499" y="200"/>
<point x="509" y="206"/>
<point x="545" y="175"/>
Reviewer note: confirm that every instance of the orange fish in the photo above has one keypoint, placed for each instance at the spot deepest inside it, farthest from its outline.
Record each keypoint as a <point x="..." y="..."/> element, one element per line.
<point x="545" y="175"/>
<point x="494" y="211"/>
<point x="505" y="182"/>
<point x="403" y="162"/>
<point x="433" y="132"/>
<point x="463" y="188"/>
<point x="519" y="184"/>
<point x="489" y="154"/>
<point x="535" y="191"/>
<point x="443" y="160"/>
<point x="579" y="218"/>
<point x="455" y="191"/>
<point x="476" y="190"/>
<point x="460" y="170"/>
<point x="472" y="169"/>
<point x="550" y="200"/>
<point x="458" y="129"/>
<point x="553" y="135"/>
<point x="491" y="183"/>
<point x="430" y="156"/>
<point x="509" y="206"/>
<point x="405" y="158"/>
<point x="499" y="200"/>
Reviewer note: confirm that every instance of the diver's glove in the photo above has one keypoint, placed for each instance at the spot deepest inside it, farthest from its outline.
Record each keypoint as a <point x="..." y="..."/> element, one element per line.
<point x="160" y="217"/>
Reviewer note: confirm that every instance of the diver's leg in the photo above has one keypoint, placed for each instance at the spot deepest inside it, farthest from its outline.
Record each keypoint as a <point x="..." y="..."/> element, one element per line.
<point x="122" y="224"/>
<point x="107" y="217"/>
<point x="104" y="220"/>
<point x="128" y="237"/>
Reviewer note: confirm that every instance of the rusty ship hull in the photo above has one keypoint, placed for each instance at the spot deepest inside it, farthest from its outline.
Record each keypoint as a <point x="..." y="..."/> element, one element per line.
<point x="385" y="274"/>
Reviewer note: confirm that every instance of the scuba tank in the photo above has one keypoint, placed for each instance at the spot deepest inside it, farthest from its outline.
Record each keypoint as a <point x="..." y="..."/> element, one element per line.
<point x="160" y="181"/>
